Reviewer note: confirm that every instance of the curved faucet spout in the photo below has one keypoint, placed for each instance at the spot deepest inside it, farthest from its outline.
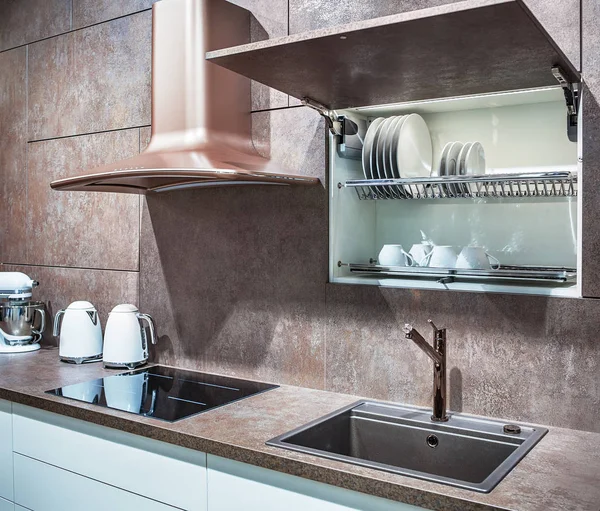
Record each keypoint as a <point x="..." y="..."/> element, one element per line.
<point x="437" y="353"/>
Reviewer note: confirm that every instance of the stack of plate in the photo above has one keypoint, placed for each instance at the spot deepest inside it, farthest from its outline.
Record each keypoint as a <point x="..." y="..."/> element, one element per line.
<point x="460" y="159"/>
<point x="395" y="148"/>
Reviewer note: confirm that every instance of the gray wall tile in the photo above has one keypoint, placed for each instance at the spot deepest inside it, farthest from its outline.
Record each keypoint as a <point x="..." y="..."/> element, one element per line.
<point x="269" y="20"/>
<point x="523" y="358"/>
<point x="61" y="286"/>
<point x="82" y="229"/>
<point x="90" y="80"/>
<point x="240" y="289"/>
<point x="89" y="12"/>
<point x="13" y="154"/>
<point x="25" y="21"/>
<point x="591" y="149"/>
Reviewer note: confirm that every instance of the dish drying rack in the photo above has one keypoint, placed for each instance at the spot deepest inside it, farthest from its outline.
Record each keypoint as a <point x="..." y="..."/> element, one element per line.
<point x="549" y="274"/>
<point x="532" y="184"/>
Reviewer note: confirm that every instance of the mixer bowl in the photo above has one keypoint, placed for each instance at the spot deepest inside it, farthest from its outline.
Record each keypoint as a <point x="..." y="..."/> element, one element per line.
<point x="23" y="321"/>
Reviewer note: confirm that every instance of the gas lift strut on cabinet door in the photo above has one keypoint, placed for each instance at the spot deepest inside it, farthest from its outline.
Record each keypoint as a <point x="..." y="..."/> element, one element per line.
<point x="572" y="93"/>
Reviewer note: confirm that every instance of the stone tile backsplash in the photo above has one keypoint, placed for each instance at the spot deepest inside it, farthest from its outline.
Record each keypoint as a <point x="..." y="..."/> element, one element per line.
<point x="236" y="278"/>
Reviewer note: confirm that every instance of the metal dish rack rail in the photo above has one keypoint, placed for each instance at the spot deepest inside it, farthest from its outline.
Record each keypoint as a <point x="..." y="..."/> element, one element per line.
<point x="447" y="275"/>
<point x="542" y="184"/>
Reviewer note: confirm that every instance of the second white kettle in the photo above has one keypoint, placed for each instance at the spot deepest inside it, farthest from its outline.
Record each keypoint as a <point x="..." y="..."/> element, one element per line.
<point x="125" y="343"/>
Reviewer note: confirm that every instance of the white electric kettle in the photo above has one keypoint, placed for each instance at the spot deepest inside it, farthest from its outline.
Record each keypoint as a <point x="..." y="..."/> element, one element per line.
<point x="80" y="333"/>
<point x="125" y="343"/>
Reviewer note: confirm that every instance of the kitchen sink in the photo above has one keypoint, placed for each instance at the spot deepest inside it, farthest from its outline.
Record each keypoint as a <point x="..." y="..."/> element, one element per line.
<point x="468" y="452"/>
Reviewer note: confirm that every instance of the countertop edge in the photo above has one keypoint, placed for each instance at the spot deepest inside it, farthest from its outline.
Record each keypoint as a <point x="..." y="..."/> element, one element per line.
<point x="280" y="463"/>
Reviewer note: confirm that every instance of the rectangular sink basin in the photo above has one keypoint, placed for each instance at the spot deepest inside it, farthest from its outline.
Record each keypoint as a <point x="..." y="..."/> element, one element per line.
<point x="468" y="452"/>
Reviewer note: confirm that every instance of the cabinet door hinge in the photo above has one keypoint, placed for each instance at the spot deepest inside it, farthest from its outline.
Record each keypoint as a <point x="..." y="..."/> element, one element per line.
<point x="350" y="132"/>
<point x="572" y="93"/>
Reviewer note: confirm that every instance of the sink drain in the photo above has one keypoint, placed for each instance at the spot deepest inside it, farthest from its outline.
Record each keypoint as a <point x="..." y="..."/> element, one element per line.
<point x="432" y="441"/>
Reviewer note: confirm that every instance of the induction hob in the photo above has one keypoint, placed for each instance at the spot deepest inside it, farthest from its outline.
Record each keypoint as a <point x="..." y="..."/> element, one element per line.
<point x="162" y="392"/>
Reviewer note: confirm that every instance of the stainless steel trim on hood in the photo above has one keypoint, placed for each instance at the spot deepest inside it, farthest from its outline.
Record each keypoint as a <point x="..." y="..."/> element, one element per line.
<point x="201" y="121"/>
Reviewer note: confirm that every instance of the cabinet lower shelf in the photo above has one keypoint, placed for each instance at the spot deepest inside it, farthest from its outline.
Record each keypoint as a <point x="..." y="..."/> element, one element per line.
<point x="547" y="274"/>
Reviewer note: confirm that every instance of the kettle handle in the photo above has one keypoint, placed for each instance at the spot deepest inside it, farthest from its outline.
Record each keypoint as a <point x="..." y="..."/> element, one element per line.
<point x="57" y="323"/>
<point x="150" y="321"/>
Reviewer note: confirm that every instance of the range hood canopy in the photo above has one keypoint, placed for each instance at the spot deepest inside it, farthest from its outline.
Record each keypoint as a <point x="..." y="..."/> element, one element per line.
<point x="201" y="121"/>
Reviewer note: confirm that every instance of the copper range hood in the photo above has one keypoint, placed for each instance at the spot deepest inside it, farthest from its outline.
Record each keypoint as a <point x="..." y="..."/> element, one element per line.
<point x="201" y="122"/>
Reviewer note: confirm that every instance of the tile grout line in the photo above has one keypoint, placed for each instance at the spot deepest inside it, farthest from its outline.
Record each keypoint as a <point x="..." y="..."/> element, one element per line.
<point x="87" y="134"/>
<point x="26" y="148"/>
<point x="75" y="30"/>
<point x="71" y="16"/>
<point x="63" y="267"/>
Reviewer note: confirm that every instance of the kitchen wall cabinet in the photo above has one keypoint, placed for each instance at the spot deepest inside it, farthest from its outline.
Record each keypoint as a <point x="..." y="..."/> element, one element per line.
<point x="517" y="96"/>
<point x="234" y="485"/>
<point x="6" y="448"/>
<point x="43" y="487"/>
<point x="163" y="472"/>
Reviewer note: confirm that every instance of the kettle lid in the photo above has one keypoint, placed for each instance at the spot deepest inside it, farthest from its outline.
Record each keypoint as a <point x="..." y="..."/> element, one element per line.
<point x="125" y="307"/>
<point x="81" y="305"/>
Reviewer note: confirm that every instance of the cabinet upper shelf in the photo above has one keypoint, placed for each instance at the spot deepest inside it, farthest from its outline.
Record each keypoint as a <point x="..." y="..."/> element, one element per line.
<point x="463" y="48"/>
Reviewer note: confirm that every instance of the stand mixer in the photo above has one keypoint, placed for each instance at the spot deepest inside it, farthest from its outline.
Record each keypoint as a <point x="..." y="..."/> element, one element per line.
<point x="18" y="314"/>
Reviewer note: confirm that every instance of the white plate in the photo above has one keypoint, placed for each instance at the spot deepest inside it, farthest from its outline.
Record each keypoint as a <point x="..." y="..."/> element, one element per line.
<point x="461" y="170"/>
<point x="379" y="154"/>
<point x="451" y="162"/>
<point x="368" y="147"/>
<point x="393" y="140"/>
<point x="375" y="148"/>
<point x="475" y="160"/>
<point x="389" y="148"/>
<point x="414" y="152"/>
<point x="441" y="169"/>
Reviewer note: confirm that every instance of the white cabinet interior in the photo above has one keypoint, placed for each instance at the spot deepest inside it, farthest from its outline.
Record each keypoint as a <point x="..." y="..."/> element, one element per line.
<point x="43" y="487"/>
<point x="6" y="448"/>
<point x="522" y="132"/>
<point x="234" y="485"/>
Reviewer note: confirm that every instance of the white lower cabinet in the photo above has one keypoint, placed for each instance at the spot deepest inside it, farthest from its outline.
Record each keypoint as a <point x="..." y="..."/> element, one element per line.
<point x="6" y="505"/>
<point x="237" y="486"/>
<point x="42" y="487"/>
<point x="6" y="448"/>
<point x="163" y="472"/>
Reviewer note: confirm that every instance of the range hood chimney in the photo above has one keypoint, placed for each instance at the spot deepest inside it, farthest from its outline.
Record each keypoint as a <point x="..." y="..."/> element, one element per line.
<point x="201" y="121"/>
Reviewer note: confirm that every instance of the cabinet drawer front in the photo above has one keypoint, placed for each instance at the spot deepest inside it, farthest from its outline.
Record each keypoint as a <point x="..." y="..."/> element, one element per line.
<point x="160" y="471"/>
<point x="6" y="505"/>
<point x="6" y="463"/>
<point x="234" y="485"/>
<point x="42" y="487"/>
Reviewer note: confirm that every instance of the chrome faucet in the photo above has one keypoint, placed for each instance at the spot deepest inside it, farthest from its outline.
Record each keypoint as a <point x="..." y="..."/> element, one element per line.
<point x="437" y="353"/>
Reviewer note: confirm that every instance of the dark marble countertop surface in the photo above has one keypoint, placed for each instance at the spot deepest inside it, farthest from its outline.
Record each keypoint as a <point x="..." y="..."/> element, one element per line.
<point x="561" y="473"/>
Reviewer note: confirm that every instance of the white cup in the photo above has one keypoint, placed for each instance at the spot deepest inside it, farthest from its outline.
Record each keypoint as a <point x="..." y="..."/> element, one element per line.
<point x="420" y="253"/>
<point x="442" y="256"/>
<point x="394" y="255"/>
<point x="476" y="258"/>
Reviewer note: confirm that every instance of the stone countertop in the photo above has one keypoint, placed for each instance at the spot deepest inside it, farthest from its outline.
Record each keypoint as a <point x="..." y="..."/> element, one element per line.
<point x="561" y="473"/>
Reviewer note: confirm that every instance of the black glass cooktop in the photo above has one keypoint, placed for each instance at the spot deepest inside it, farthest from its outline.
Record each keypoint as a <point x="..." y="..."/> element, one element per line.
<point x="162" y="392"/>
